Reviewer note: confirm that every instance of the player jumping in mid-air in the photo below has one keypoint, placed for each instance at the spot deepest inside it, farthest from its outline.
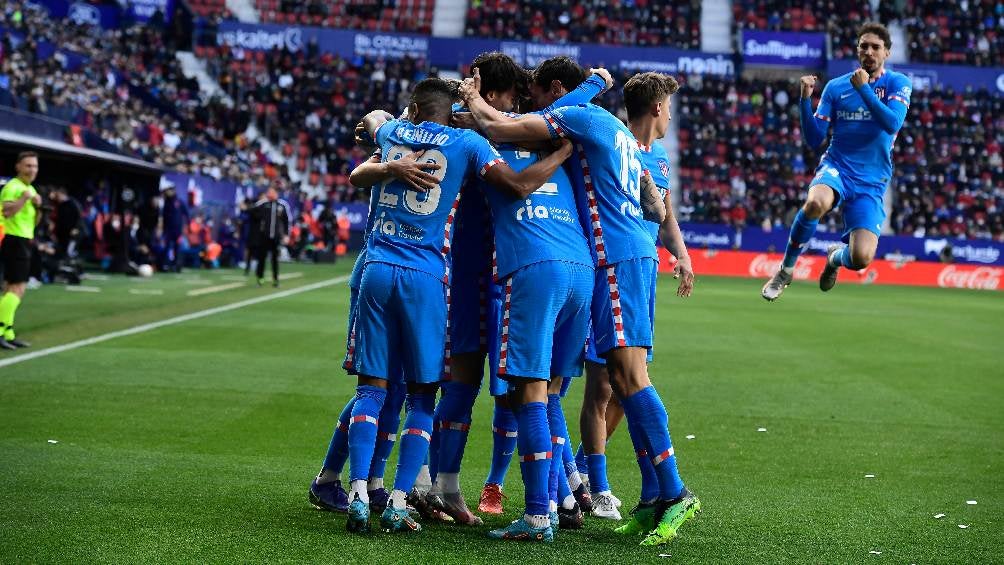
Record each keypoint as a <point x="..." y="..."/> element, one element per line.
<point x="865" y="110"/>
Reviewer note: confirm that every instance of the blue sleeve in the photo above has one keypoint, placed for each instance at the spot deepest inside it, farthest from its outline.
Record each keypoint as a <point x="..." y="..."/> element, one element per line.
<point x="383" y="132"/>
<point x="570" y="122"/>
<point x="813" y="126"/>
<point x="889" y="117"/>
<point x="589" y="89"/>
<point x="481" y="154"/>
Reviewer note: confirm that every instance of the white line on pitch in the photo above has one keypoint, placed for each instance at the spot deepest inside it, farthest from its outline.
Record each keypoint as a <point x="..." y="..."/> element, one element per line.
<point x="83" y="289"/>
<point x="95" y="277"/>
<point x="217" y="288"/>
<point x="287" y="276"/>
<point x="146" y="291"/>
<point x="169" y="322"/>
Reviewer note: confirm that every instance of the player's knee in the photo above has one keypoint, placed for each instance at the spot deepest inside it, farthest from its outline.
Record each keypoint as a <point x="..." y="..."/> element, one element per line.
<point x="861" y="258"/>
<point x="814" y="208"/>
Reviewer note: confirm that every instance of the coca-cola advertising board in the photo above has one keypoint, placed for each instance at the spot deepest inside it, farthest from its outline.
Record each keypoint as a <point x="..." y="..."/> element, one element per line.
<point x="912" y="273"/>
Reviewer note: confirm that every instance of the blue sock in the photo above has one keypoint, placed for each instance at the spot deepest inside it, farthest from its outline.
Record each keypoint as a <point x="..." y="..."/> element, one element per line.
<point x="338" y="449"/>
<point x="649" y="480"/>
<point x="363" y="430"/>
<point x="454" y="410"/>
<point x="414" y="440"/>
<point x="390" y="420"/>
<point x="581" y="463"/>
<point x="559" y="441"/>
<point x="802" y="230"/>
<point x="597" y="473"/>
<point x="535" y="456"/>
<point x="648" y="412"/>
<point x="567" y="457"/>
<point x="432" y="460"/>
<point x="844" y="258"/>
<point x="504" y="434"/>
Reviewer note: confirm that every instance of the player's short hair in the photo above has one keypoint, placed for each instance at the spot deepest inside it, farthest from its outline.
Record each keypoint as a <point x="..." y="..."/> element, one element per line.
<point x="562" y="69"/>
<point x="434" y="95"/>
<point x="500" y="73"/>
<point x="25" y="155"/>
<point x="879" y="30"/>
<point x="644" y="89"/>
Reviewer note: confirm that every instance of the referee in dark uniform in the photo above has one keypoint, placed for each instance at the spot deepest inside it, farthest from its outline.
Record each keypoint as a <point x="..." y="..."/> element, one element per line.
<point x="273" y="214"/>
<point x="19" y="201"/>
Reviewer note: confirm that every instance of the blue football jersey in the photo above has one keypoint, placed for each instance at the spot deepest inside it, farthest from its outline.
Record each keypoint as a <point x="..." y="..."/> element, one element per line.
<point x="544" y="226"/>
<point x="472" y="239"/>
<point x="859" y="147"/>
<point x="411" y="228"/>
<point x="608" y="182"/>
<point x="357" y="268"/>
<point x="655" y="160"/>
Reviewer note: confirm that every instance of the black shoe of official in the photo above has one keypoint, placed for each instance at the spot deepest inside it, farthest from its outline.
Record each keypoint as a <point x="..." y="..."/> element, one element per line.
<point x="275" y="283"/>
<point x="18" y="343"/>
<point x="4" y="344"/>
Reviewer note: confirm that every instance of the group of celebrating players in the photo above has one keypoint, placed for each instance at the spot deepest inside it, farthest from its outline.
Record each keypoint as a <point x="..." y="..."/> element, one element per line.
<point x="530" y="238"/>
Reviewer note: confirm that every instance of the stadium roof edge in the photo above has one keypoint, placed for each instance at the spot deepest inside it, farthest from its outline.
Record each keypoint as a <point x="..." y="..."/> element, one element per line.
<point x="40" y="143"/>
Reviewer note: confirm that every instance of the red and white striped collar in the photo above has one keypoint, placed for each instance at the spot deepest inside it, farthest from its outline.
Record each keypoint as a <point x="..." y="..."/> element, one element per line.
<point x="644" y="148"/>
<point x="882" y="74"/>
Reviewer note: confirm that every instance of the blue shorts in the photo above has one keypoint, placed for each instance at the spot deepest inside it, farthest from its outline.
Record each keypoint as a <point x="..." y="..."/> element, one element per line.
<point x="623" y="307"/>
<point x="401" y="319"/>
<point x="862" y="205"/>
<point x="545" y="314"/>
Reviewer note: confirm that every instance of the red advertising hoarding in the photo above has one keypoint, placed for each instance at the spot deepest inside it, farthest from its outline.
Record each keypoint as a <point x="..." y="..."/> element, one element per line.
<point x="913" y="273"/>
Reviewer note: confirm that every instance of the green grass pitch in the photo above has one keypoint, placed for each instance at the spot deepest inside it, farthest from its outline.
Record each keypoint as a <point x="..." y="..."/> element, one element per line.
<point x="196" y="442"/>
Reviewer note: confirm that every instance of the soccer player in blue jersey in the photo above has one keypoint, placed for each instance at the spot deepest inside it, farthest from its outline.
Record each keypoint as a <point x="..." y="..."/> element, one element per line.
<point x="562" y="88"/>
<point x="326" y="491"/>
<point x="647" y="101"/>
<point x="538" y="237"/>
<point x="609" y="200"/>
<point x="864" y="110"/>
<point x="403" y="295"/>
<point x="475" y="308"/>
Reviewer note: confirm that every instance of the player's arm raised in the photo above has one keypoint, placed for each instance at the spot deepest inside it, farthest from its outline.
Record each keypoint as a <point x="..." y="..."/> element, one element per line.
<point x="408" y="169"/>
<point x="522" y="184"/>
<point x="890" y="117"/>
<point x="814" y="126"/>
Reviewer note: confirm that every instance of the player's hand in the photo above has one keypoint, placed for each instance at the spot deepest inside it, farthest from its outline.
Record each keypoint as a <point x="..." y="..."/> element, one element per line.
<point x="808" y="83"/>
<point x="685" y="272"/>
<point x="564" y="147"/>
<point x="859" y="78"/>
<point x="363" y="138"/>
<point x="463" y="120"/>
<point x="414" y="172"/>
<point x="471" y="87"/>
<point x="605" y="75"/>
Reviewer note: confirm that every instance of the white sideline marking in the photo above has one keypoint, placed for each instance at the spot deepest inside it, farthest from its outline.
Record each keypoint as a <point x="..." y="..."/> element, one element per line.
<point x="287" y="276"/>
<point x="212" y="289"/>
<point x="83" y="289"/>
<point x="169" y="322"/>
<point x="146" y="291"/>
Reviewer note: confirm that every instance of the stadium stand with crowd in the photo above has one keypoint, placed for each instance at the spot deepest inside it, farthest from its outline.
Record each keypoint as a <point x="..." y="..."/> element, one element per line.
<point x="287" y="118"/>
